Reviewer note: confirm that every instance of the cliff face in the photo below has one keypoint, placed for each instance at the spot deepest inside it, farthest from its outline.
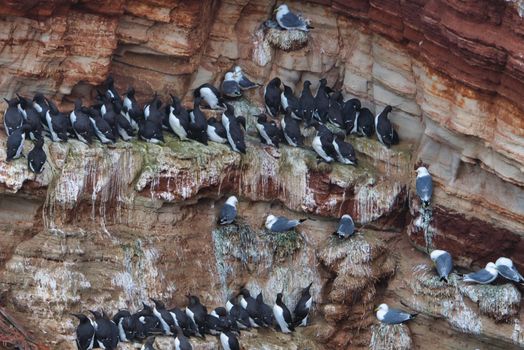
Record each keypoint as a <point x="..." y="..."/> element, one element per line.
<point x="80" y="234"/>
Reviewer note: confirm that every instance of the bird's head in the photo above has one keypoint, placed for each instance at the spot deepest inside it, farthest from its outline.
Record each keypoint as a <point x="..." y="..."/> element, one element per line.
<point x="233" y="201"/>
<point x="382" y="307"/>
<point x="422" y="171"/>
<point x="282" y="8"/>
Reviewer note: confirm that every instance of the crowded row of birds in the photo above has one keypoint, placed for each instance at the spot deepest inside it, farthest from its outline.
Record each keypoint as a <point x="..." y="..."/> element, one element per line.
<point x="113" y="117"/>
<point x="241" y="312"/>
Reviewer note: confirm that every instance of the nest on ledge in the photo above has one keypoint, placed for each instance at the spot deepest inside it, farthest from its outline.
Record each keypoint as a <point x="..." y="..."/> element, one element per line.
<point x="287" y="40"/>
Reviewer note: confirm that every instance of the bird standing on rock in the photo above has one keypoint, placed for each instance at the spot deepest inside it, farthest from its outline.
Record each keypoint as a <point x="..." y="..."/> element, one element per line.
<point x="385" y="132"/>
<point x="36" y="158"/>
<point x="85" y="333"/>
<point x="282" y="316"/>
<point x="13" y="118"/>
<point x="303" y="307"/>
<point x="424" y="185"/>
<point x="272" y="97"/>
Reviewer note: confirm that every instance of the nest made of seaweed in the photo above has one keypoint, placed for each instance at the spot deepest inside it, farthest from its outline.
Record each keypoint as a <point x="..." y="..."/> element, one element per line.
<point x="389" y="337"/>
<point x="287" y="40"/>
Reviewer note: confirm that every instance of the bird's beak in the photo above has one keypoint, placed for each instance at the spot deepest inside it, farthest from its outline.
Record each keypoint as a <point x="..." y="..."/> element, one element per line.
<point x="275" y="10"/>
<point x="376" y="309"/>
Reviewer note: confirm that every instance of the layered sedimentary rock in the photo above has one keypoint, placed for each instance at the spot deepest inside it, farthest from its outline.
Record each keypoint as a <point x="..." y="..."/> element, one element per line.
<point x="453" y="70"/>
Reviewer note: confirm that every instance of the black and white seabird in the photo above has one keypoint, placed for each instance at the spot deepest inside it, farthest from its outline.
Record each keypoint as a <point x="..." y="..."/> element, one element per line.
<point x="181" y="341"/>
<point x="110" y="88"/>
<point x="323" y="143"/>
<point x="131" y="110"/>
<point x="238" y="314"/>
<point x="36" y="158"/>
<point x="40" y="104"/>
<point x="269" y="132"/>
<point x="266" y="312"/>
<point x="392" y="316"/>
<point x="81" y="123"/>
<point x="334" y="114"/>
<point x="150" y="131"/>
<point x="228" y="213"/>
<point x="31" y="118"/>
<point x="149" y="343"/>
<point x="197" y="123"/>
<point x="508" y="270"/>
<point x="106" y="331"/>
<point x="178" y="118"/>
<point x="15" y="143"/>
<point x="102" y="129"/>
<point x="229" y="321"/>
<point x="229" y="341"/>
<point x="288" y="20"/>
<point x="164" y="316"/>
<point x="322" y="101"/>
<point x="153" y="110"/>
<point x="127" y="325"/>
<point x="57" y="123"/>
<point x="303" y="307"/>
<point x="248" y="303"/>
<point x="306" y="103"/>
<point x="149" y="323"/>
<point x="107" y="111"/>
<point x="85" y="333"/>
<point x="483" y="276"/>
<point x="288" y="99"/>
<point x="282" y="316"/>
<point x="230" y="87"/>
<point x="346" y="227"/>
<point x="272" y="97"/>
<point x="242" y="80"/>
<point x="211" y="95"/>
<point x="13" y="118"/>
<point x="235" y="135"/>
<point x="124" y="127"/>
<point x="364" y="123"/>
<point x="350" y="110"/>
<point x="424" y="185"/>
<point x="216" y="131"/>
<point x="384" y="128"/>
<point x="443" y="263"/>
<point x="281" y="224"/>
<point x="291" y="130"/>
<point x="183" y="321"/>
<point x="345" y="153"/>
<point x="197" y="313"/>
<point x="214" y="324"/>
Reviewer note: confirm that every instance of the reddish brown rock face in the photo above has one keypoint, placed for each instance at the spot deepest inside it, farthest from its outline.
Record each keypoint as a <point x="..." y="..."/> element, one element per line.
<point x="453" y="70"/>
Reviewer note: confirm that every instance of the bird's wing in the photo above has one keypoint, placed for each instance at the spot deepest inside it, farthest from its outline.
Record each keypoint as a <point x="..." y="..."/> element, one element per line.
<point x="482" y="276"/>
<point x="346" y="228"/>
<point x="290" y="20"/>
<point x="444" y="264"/>
<point x="228" y="213"/>
<point x="509" y="273"/>
<point x="283" y="224"/>
<point x="394" y="316"/>
<point x="424" y="187"/>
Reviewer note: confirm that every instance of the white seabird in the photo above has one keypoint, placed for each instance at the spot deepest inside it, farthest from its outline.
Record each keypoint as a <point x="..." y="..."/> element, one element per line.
<point x="228" y="213"/>
<point x="483" y="276"/>
<point x="288" y="20"/>
<point x="392" y="316"/>
<point x="507" y="270"/>
<point x="346" y="227"/>
<point x="281" y="224"/>
<point x="443" y="263"/>
<point x="424" y="185"/>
